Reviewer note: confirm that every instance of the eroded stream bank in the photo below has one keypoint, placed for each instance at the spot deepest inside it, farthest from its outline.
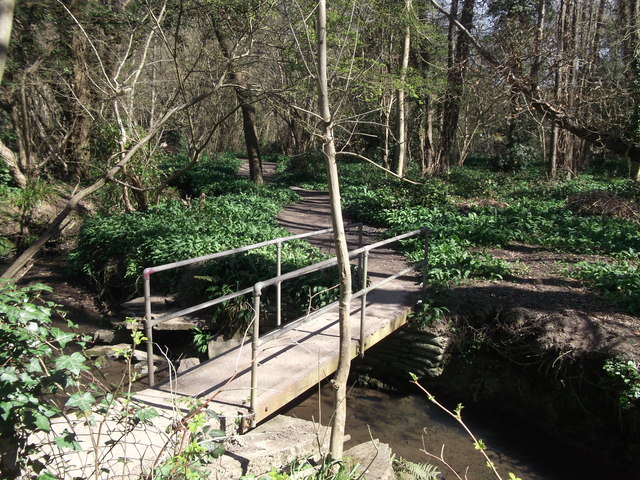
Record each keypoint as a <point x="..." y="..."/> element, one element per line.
<point x="545" y="414"/>
<point x="409" y="423"/>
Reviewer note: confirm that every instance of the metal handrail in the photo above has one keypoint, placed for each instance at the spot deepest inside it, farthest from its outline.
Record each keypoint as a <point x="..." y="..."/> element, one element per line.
<point x="150" y="322"/>
<point x="363" y="254"/>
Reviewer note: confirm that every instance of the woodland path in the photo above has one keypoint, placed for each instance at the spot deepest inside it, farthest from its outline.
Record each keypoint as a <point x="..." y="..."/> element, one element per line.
<point x="296" y="359"/>
<point x="537" y="299"/>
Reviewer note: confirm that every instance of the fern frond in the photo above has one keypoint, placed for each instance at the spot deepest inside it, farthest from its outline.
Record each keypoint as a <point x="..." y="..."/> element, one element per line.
<point x="419" y="471"/>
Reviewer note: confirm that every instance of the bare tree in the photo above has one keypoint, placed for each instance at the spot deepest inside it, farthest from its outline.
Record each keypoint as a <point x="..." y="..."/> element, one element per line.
<point x="615" y="138"/>
<point x="342" y="253"/>
<point x="6" y="21"/>
<point x="401" y="124"/>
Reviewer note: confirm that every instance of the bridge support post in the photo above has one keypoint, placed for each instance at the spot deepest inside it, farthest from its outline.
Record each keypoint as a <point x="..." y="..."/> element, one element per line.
<point x="148" y="327"/>
<point x="363" y="299"/>
<point x="255" y="339"/>
<point x="425" y="266"/>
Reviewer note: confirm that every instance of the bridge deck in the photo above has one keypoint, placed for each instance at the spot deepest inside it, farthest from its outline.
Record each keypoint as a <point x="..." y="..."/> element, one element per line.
<point x="290" y="364"/>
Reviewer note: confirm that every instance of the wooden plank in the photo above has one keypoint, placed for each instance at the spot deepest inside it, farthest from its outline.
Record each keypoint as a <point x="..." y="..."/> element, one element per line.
<point x="292" y="363"/>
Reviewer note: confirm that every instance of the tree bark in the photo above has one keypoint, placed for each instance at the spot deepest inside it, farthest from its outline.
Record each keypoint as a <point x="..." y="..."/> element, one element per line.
<point x="401" y="135"/>
<point x="455" y="83"/>
<point x="250" y="137"/>
<point x="342" y="253"/>
<point x="246" y="101"/>
<point x="6" y="22"/>
<point x="17" y="268"/>
<point x="80" y="119"/>
<point x="11" y="160"/>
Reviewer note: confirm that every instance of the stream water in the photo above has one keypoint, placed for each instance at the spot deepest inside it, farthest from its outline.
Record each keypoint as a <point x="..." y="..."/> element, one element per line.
<point x="411" y="423"/>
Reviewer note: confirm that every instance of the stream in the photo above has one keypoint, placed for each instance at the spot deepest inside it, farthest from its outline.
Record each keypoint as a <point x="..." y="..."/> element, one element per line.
<point x="407" y="422"/>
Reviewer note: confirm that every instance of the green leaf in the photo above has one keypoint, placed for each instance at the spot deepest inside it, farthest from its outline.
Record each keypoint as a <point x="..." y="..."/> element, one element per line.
<point x="74" y="363"/>
<point x="68" y="440"/>
<point x="42" y="422"/>
<point x="457" y="411"/>
<point x="46" y="476"/>
<point x="9" y="375"/>
<point x="62" y="338"/>
<point x="479" y="445"/>
<point x="83" y="401"/>
<point x="34" y="366"/>
<point x="144" y="414"/>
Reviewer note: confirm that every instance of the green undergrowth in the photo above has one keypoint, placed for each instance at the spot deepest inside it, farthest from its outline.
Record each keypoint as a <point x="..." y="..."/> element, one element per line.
<point x="618" y="280"/>
<point x="471" y="210"/>
<point x="220" y="212"/>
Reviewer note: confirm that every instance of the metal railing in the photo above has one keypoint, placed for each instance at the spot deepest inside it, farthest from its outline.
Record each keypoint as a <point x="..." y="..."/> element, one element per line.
<point x="361" y="253"/>
<point x="150" y="322"/>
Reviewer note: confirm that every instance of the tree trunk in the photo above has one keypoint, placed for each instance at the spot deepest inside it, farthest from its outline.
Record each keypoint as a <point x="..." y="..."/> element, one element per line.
<point x="246" y="101"/>
<point x="80" y="119"/>
<point x="401" y="135"/>
<point x="426" y="138"/>
<point x="342" y="253"/>
<point x="6" y="21"/>
<point x="11" y="160"/>
<point x="250" y="137"/>
<point x="455" y="83"/>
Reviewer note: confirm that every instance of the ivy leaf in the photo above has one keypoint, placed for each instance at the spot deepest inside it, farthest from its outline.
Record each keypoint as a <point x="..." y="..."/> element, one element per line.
<point x="41" y="422"/>
<point x="34" y="366"/>
<point x="73" y="363"/>
<point x="63" y="338"/>
<point x="9" y="375"/>
<point x="83" y="401"/>
<point x="68" y="440"/>
<point x="144" y="414"/>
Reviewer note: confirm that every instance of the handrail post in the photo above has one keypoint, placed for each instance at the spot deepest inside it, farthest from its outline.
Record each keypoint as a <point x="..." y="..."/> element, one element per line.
<point x="279" y="284"/>
<point x="359" y="246"/>
<point x="363" y="299"/>
<point x="148" y="327"/>
<point x="257" y="292"/>
<point x="425" y="267"/>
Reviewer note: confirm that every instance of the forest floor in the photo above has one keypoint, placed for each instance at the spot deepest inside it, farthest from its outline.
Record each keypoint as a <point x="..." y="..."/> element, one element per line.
<point x="539" y="297"/>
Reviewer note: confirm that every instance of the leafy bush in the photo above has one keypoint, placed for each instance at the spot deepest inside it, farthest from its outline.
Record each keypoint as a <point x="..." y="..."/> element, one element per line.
<point x="34" y="361"/>
<point x="468" y="183"/>
<point x="620" y="281"/>
<point x="113" y="250"/>
<point x="517" y="157"/>
<point x="626" y="379"/>
<point x="305" y="170"/>
<point x="620" y="187"/>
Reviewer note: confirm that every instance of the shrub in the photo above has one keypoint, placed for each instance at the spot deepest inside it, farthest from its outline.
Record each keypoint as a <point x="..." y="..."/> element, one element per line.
<point x="114" y="250"/>
<point x="620" y="281"/>
<point x="34" y="361"/>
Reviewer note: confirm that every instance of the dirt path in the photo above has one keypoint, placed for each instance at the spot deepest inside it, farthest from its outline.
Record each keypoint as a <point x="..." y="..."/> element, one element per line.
<point x="538" y="298"/>
<point x="313" y="212"/>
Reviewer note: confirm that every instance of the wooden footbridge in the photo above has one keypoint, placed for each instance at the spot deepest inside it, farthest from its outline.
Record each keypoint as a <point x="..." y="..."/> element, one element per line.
<point x="244" y="385"/>
<point x="269" y="369"/>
